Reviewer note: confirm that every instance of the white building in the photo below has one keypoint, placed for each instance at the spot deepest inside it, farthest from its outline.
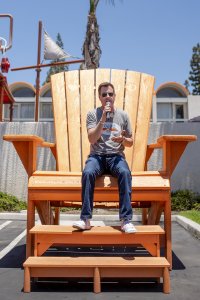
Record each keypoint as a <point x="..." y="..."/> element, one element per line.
<point x="171" y="103"/>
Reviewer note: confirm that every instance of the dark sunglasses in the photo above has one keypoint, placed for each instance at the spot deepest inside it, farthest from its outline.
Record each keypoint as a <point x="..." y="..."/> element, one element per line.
<point x="105" y="94"/>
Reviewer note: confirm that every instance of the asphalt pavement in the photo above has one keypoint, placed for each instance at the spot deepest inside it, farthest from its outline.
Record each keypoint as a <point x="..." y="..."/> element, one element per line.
<point x="185" y="274"/>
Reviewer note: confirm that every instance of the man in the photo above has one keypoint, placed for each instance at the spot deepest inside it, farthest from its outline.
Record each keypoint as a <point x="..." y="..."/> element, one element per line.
<point x="109" y="132"/>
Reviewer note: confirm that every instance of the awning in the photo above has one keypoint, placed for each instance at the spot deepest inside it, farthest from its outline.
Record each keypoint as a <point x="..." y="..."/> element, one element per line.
<point x="7" y="96"/>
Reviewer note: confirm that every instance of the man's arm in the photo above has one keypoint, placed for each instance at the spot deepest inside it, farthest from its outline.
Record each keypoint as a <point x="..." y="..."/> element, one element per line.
<point x="94" y="133"/>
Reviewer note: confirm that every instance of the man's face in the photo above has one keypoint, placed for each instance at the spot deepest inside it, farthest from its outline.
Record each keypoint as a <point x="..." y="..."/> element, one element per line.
<point x="107" y="95"/>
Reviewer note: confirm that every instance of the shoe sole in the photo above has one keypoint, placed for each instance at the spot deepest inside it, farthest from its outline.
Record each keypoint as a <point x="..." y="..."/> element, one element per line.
<point x="80" y="228"/>
<point x="134" y="231"/>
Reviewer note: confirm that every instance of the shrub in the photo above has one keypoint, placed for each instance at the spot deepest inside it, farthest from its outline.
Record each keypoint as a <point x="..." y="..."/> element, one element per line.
<point x="184" y="200"/>
<point x="11" y="203"/>
<point x="197" y="206"/>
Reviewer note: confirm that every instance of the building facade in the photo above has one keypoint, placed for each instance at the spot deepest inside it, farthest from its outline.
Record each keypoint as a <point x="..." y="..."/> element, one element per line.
<point x="171" y="103"/>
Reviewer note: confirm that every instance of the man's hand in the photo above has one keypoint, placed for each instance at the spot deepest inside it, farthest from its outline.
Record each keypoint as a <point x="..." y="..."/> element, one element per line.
<point x="119" y="139"/>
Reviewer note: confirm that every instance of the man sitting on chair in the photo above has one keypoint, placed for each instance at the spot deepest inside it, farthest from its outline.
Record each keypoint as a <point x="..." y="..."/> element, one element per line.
<point x="109" y="132"/>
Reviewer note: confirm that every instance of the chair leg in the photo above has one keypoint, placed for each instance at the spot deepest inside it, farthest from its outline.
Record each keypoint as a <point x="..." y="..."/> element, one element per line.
<point x="57" y="216"/>
<point x="144" y="216"/>
<point x="166" y="281"/>
<point x="27" y="280"/>
<point x="97" y="281"/>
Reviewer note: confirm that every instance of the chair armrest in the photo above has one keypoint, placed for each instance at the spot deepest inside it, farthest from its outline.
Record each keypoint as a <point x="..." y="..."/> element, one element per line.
<point x="176" y="138"/>
<point x="26" y="147"/>
<point x="173" y="147"/>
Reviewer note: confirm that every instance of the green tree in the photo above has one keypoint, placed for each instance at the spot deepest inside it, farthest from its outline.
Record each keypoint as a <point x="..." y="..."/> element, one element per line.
<point x="194" y="77"/>
<point x="57" y="69"/>
<point x="91" y="47"/>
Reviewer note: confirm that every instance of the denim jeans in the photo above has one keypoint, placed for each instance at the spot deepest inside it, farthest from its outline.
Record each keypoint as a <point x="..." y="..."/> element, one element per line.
<point x="97" y="165"/>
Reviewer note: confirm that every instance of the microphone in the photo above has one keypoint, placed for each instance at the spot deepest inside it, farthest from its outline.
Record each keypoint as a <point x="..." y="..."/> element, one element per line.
<point x="108" y="113"/>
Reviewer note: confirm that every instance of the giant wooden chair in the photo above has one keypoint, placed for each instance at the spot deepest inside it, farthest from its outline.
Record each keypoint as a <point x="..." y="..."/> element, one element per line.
<point x="74" y="93"/>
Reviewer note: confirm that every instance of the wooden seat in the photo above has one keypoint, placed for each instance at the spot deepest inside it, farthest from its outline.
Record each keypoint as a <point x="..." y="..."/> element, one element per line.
<point x="47" y="235"/>
<point x="97" y="269"/>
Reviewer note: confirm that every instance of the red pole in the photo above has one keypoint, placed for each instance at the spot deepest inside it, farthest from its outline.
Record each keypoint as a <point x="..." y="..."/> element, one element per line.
<point x="60" y="63"/>
<point x="1" y="102"/>
<point x="38" y="70"/>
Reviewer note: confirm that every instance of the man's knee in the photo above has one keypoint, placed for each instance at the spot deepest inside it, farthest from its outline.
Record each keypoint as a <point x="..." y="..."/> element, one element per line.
<point x="125" y="172"/>
<point x="88" y="173"/>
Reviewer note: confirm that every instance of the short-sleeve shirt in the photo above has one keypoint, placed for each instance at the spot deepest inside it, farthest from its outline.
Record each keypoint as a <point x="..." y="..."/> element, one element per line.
<point x="113" y="126"/>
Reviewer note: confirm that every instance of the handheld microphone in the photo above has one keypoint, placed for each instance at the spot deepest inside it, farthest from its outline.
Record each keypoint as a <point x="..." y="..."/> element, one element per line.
<point x="108" y="113"/>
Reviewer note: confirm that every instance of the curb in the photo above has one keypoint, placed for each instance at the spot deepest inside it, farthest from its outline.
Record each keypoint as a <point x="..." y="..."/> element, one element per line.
<point x="187" y="224"/>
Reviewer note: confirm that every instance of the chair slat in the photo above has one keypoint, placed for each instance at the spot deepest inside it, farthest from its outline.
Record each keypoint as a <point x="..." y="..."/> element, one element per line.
<point x="60" y="121"/>
<point x="143" y="119"/>
<point x="73" y="116"/>
<point x="87" y="94"/>
<point x="118" y="80"/>
<point x="102" y="75"/>
<point x="131" y="106"/>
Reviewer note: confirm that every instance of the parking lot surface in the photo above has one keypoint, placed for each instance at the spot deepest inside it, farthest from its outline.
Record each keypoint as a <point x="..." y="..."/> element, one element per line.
<point x="185" y="275"/>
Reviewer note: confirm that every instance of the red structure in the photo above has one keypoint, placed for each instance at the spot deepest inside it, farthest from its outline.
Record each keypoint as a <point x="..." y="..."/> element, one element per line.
<point x="5" y="97"/>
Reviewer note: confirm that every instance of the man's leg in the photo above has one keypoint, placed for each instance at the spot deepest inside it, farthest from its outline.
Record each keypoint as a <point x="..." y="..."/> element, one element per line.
<point x="119" y="168"/>
<point x="93" y="168"/>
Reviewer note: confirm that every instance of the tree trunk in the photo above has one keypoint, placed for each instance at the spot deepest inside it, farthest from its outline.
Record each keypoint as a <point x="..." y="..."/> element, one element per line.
<point x="91" y="48"/>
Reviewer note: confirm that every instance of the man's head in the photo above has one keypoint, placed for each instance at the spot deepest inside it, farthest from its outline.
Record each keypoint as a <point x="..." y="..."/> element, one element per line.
<point x="106" y="92"/>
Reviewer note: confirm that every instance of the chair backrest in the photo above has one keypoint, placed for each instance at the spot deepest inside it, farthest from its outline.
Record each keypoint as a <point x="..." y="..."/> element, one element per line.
<point x="74" y="93"/>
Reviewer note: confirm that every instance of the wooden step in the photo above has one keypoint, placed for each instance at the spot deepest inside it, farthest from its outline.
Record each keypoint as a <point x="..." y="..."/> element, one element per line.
<point x="97" y="268"/>
<point x="46" y="235"/>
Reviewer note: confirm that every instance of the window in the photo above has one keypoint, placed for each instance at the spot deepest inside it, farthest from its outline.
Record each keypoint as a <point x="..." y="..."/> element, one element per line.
<point x="46" y="111"/>
<point x="171" y="112"/>
<point x="23" y="92"/>
<point x="179" y="111"/>
<point x="164" y="111"/>
<point x="27" y="111"/>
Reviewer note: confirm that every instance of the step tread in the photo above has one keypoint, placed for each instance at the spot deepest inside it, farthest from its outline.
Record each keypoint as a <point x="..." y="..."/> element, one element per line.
<point x="128" y="262"/>
<point x="97" y="230"/>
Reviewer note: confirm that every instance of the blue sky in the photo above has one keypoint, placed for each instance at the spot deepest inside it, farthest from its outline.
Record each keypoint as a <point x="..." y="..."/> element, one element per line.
<point x="151" y="36"/>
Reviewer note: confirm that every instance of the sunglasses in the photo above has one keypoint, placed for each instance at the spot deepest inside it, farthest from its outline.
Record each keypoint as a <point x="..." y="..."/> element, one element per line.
<point x="105" y="94"/>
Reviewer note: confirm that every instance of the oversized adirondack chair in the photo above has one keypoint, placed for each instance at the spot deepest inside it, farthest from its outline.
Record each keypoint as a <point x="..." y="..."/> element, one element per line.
<point x="74" y="93"/>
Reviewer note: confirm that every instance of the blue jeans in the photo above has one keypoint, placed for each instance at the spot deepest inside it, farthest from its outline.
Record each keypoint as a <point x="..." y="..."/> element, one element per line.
<point x="116" y="165"/>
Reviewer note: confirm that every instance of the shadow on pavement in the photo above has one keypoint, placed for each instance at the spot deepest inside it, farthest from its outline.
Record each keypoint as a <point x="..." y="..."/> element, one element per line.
<point x="15" y="258"/>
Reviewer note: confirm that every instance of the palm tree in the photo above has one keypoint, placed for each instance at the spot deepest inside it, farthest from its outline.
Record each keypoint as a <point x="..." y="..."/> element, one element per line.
<point x="91" y="48"/>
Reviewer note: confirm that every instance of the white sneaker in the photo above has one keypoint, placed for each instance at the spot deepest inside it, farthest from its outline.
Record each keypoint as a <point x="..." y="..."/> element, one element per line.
<point x="82" y="225"/>
<point x="128" y="227"/>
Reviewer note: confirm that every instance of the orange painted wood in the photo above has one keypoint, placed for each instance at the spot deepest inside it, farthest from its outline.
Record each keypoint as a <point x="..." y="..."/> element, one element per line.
<point x="91" y="267"/>
<point x="101" y="75"/>
<point x="74" y="181"/>
<point x="131" y="98"/>
<point x="143" y="119"/>
<point x="117" y="261"/>
<point x="88" y="102"/>
<point x="47" y="235"/>
<point x="73" y="119"/>
<point x="60" y="121"/>
<point x="118" y="80"/>
<point x="105" y="230"/>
